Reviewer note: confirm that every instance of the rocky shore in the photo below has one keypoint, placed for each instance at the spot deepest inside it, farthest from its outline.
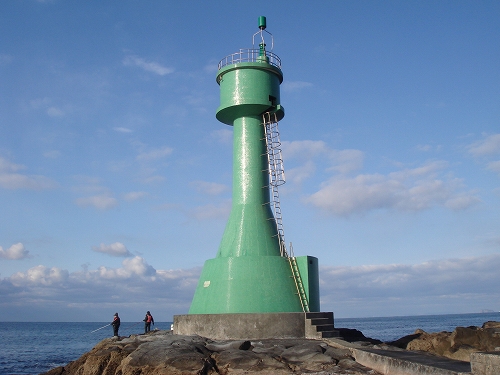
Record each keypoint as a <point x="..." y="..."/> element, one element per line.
<point x="458" y="344"/>
<point x="161" y="352"/>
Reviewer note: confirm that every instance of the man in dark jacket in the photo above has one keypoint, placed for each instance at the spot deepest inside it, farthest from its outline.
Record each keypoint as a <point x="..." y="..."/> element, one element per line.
<point x="147" y="322"/>
<point x="116" y="324"/>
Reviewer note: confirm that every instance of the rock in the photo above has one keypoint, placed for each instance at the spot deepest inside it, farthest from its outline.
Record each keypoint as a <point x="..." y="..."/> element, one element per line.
<point x="162" y="352"/>
<point x="458" y="344"/>
<point x="353" y="335"/>
<point x="309" y="355"/>
<point x="338" y="354"/>
<point x="226" y="345"/>
<point x="404" y="341"/>
<point x="491" y="324"/>
<point x="234" y="361"/>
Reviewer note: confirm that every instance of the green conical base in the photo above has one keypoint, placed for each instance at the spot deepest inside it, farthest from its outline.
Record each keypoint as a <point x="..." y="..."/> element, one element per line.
<point x="247" y="284"/>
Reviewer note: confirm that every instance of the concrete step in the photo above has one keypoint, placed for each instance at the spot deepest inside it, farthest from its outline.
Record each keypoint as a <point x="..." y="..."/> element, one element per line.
<point x="320" y="321"/>
<point x="322" y="324"/>
<point x="314" y="315"/>
<point x="324" y="327"/>
<point x="330" y="334"/>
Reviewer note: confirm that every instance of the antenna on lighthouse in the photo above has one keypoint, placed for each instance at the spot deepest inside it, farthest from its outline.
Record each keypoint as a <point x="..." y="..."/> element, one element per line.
<point x="262" y="29"/>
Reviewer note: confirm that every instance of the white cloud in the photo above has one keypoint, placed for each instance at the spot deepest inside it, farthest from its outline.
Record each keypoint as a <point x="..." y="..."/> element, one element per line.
<point x="155" y="154"/>
<point x="5" y="59"/>
<point x="494" y="166"/>
<point x="40" y="103"/>
<point x="295" y="85"/>
<point x="148" y="66"/>
<point x="341" y="161"/>
<point x="211" y="67"/>
<point x="6" y="166"/>
<point x="345" y="161"/>
<point x="461" y="201"/>
<point x="223" y="135"/>
<point x="487" y="146"/>
<point x="116" y="249"/>
<point x="212" y="211"/>
<point x="138" y="266"/>
<point x="52" y="154"/>
<point x="90" y="294"/>
<point x="411" y="289"/>
<point x="301" y="173"/>
<point x="153" y="179"/>
<point x="55" y="112"/>
<point x="428" y="148"/>
<point x="345" y="196"/>
<point x="134" y="195"/>
<point x="47" y="105"/>
<point x="439" y="286"/>
<point x="424" y="148"/>
<point x="16" y="181"/>
<point x="16" y="251"/>
<point x="410" y="189"/>
<point x="209" y="188"/>
<point x="306" y="149"/>
<point x="101" y="202"/>
<point x="132" y="267"/>
<point x="40" y="276"/>
<point x="406" y="190"/>
<point x="11" y="180"/>
<point x="122" y="130"/>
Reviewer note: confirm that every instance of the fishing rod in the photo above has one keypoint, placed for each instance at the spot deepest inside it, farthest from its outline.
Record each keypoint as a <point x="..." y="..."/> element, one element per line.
<point x="95" y="330"/>
<point x="134" y="324"/>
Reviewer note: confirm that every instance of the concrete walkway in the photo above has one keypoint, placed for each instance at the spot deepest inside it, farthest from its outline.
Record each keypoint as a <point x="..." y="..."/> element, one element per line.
<point x="402" y="362"/>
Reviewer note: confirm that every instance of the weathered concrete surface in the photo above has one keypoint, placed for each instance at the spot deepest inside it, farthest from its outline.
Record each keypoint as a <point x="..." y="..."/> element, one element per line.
<point x="485" y="363"/>
<point x="256" y="326"/>
<point x="390" y="360"/>
<point x="409" y="363"/>
<point x="241" y="326"/>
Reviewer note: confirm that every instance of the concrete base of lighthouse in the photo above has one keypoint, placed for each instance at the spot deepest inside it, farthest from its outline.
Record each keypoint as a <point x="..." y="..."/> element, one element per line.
<point x="313" y="325"/>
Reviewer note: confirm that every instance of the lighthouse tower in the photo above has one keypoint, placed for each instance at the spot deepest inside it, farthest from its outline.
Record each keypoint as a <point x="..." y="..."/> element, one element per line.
<point x="253" y="276"/>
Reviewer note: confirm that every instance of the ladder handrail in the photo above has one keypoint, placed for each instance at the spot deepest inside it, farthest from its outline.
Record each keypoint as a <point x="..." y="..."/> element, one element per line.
<point x="277" y="178"/>
<point x="276" y="172"/>
<point x="298" y="283"/>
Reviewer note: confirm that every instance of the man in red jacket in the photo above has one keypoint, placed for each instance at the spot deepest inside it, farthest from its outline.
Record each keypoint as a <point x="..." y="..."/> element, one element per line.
<point x="116" y="324"/>
<point x="147" y="322"/>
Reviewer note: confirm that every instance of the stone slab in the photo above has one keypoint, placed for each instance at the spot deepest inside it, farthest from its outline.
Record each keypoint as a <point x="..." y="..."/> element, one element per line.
<point x="485" y="363"/>
<point x="390" y="362"/>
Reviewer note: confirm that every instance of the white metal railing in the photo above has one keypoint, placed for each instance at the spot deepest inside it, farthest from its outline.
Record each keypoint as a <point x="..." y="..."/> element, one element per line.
<point x="277" y="178"/>
<point x="276" y="173"/>
<point x="249" y="55"/>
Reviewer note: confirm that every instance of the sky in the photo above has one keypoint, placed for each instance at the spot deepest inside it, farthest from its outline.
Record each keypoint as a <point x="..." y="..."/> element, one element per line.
<point x="115" y="175"/>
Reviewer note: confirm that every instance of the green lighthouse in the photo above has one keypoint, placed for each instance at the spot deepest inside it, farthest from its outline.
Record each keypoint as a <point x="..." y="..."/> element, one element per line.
<point x="252" y="271"/>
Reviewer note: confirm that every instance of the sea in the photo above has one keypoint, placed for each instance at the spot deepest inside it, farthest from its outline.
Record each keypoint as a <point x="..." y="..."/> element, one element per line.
<point x="37" y="347"/>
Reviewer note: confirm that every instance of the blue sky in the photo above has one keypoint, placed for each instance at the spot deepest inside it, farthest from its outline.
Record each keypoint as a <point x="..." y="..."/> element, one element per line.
<point x="115" y="176"/>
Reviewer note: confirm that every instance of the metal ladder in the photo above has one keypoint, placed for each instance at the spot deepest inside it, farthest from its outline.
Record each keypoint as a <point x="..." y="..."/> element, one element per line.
<point x="276" y="179"/>
<point x="276" y="172"/>
<point x="298" y="280"/>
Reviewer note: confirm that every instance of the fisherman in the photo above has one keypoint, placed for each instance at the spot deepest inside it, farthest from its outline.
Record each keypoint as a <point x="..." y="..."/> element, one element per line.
<point x="116" y="324"/>
<point x="147" y="322"/>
